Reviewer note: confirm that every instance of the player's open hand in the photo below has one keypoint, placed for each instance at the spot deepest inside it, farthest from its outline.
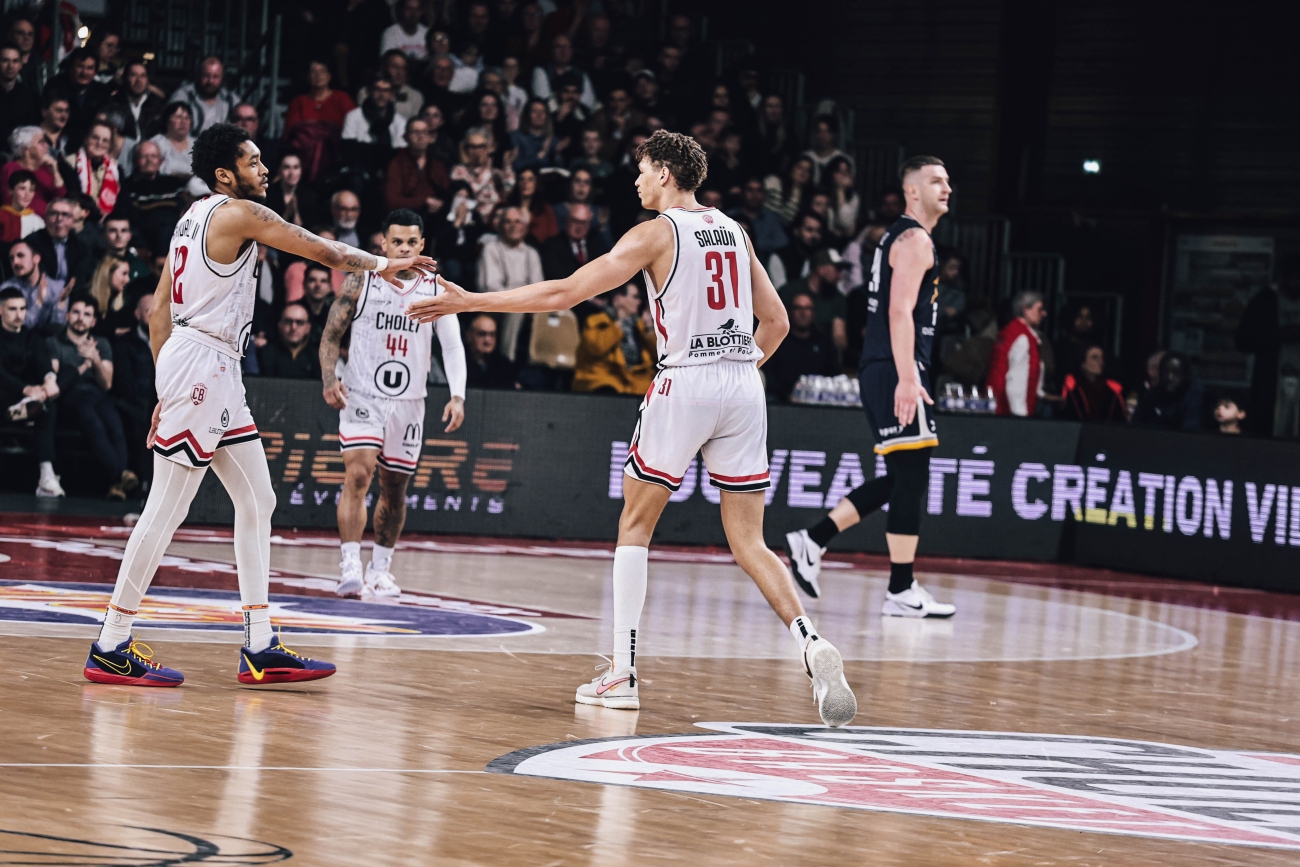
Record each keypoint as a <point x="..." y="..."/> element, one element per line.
<point x="907" y="396"/>
<point x="336" y="394"/>
<point x="454" y="414"/>
<point x="423" y="264"/>
<point x="452" y="299"/>
<point x="153" y="427"/>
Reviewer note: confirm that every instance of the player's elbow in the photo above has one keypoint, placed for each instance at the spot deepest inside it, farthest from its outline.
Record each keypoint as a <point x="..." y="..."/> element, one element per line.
<point x="777" y="321"/>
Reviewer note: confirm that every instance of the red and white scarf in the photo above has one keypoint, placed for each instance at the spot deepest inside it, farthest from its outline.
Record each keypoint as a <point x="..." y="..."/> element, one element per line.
<point x="108" y="190"/>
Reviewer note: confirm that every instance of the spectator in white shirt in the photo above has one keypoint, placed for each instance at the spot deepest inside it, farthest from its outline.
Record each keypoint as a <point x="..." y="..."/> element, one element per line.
<point x="408" y="35"/>
<point x="174" y="143"/>
<point x="406" y="99"/>
<point x="825" y="137"/>
<point x="508" y="263"/>
<point x="368" y="122"/>
<point x="546" y="79"/>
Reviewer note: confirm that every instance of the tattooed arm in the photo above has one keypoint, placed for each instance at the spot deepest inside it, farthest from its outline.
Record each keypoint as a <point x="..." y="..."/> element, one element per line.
<point x="341" y="313"/>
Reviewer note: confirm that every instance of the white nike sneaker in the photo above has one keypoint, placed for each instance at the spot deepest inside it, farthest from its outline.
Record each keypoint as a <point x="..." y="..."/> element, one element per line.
<point x="835" y="702"/>
<point x="350" y="583"/>
<point x="380" y="585"/>
<point x="916" y="601"/>
<point x="805" y="561"/>
<point x="49" y="487"/>
<point x="613" y="689"/>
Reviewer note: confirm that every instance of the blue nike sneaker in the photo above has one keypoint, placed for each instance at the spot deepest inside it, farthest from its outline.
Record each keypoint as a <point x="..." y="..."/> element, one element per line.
<point x="279" y="664"/>
<point x="129" y="664"/>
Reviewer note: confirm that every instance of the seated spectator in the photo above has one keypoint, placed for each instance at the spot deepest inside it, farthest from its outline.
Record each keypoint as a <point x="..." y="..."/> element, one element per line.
<point x="727" y="171"/>
<point x="28" y="384"/>
<point x="318" y="296"/>
<point x="582" y="191"/>
<point x="488" y="112"/>
<point x="345" y="208"/>
<point x="768" y="236"/>
<point x="845" y="203"/>
<point x="574" y="247"/>
<point x="1175" y="402"/>
<point x="508" y="263"/>
<point x="546" y="79"/>
<point x="1229" y="413"/>
<point x="1016" y="369"/>
<point x="84" y="364"/>
<point x="133" y="385"/>
<point x="534" y="141"/>
<point x="787" y="194"/>
<point x="105" y="44"/>
<point x="542" y="225"/>
<point x="143" y="107"/>
<point x="793" y="261"/>
<point x="297" y="202"/>
<point x="437" y="88"/>
<point x="860" y="253"/>
<point x="209" y="100"/>
<point x="515" y="97"/>
<point x="952" y="302"/>
<point x="93" y="171"/>
<point x="395" y="67"/>
<point x="408" y="35"/>
<point x="85" y="95"/>
<point x="489" y="185"/>
<point x="174" y="142"/>
<point x="1081" y="333"/>
<point x="823" y="285"/>
<point x="54" y="118"/>
<point x="441" y="145"/>
<point x="19" y="105"/>
<point x="806" y="350"/>
<point x="292" y="354"/>
<point x="776" y="142"/>
<point x="63" y="255"/>
<point x="825" y="147"/>
<point x="121" y="149"/>
<point x="458" y="236"/>
<point x="967" y="361"/>
<point x="889" y="207"/>
<point x="617" y="352"/>
<point x="487" y="368"/>
<point x="115" y="310"/>
<point x="372" y="131"/>
<point x="417" y="180"/>
<point x="46" y="298"/>
<point x="31" y="152"/>
<point x="1088" y="395"/>
<point x="17" y="219"/>
<point x="569" y="119"/>
<point x="153" y="199"/>
<point x="615" y="121"/>
<point x="590" y="158"/>
<point x="245" y="117"/>
<point x="313" y="123"/>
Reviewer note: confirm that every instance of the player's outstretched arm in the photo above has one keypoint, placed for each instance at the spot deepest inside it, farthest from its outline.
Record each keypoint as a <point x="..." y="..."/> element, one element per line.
<point x="341" y="313"/>
<point x="773" y="321"/>
<point x="910" y="257"/>
<point x="634" y="251"/>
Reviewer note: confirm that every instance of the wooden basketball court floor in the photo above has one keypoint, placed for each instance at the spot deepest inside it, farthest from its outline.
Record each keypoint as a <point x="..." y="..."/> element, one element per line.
<point x="1062" y="717"/>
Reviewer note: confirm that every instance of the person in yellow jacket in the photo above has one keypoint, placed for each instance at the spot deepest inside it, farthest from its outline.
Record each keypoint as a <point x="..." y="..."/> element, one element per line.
<point x="617" y="351"/>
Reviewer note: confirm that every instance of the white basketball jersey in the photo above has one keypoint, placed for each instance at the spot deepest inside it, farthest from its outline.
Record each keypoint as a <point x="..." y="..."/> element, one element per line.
<point x="390" y="355"/>
<point x="211" y="303"/>
<point x="705" y="310"/>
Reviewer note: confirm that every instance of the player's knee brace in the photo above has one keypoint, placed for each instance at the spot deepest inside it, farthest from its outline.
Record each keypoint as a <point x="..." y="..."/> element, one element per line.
<point x="868" y="497"/>
<point x="910" y="470"/>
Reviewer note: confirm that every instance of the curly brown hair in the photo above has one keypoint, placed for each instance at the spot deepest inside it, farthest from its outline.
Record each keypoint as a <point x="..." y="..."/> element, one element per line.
<point x="681" y="153"/>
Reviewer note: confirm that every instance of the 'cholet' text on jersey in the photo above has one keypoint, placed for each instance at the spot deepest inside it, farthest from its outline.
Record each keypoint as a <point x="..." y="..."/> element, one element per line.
<point x="389" y="355"/>
<point x="211" y="303"/>
<point x="705" y="310"/>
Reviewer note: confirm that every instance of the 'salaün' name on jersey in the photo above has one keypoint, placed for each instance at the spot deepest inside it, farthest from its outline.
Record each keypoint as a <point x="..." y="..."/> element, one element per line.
<point x="211" y="303"/>
<point x="705" y="310"/>
<point x="389" y="355"/>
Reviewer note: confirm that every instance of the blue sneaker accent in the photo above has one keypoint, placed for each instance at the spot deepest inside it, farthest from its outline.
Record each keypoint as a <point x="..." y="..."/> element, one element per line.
<point x="279" y="664"/>
<point x="129" y="664"/>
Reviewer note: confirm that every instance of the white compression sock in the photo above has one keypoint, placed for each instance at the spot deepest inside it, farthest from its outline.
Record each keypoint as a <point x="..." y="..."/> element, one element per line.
<point x="174" y="487"/>
<point x="243" y="471"/>
<point x="630" y="568"/>
<point x="351" y="551"/>
<point x="802" y="629"/>
<point x="381" y="559"/>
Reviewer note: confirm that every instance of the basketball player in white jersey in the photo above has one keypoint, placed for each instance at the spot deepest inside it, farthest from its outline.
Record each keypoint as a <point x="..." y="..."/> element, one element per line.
<point x="706" y="287"/>
<point x="198" y="331"/>
<point x="381" y="399"/>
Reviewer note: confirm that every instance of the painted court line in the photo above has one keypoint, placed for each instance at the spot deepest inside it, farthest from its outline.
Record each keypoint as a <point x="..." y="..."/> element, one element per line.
<point x="231" y="768"/>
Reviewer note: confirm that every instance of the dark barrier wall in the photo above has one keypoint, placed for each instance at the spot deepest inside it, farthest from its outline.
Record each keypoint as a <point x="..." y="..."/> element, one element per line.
<point x="550" y="465"/>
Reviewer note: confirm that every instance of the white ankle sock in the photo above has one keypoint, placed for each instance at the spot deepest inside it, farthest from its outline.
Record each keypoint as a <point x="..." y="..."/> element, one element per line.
<point x="381" y="559"/>
<point x="47" y="470"/>
<point x="257" y="627"/>
<point x="631" y="565"/>
<point x="351" y="551"/>
<point x="802" y="629"/>
<point x="116" y="628"/>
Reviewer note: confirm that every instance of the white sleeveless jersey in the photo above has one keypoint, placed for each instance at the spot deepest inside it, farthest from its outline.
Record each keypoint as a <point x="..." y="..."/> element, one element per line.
<point x="211" y="303"/>
<point x="389" y="355"/>
<point x="705" y="310"/>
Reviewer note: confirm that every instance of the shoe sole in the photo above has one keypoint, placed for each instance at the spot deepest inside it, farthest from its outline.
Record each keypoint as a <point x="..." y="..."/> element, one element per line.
<point x="803" y="585"/>
<point x="346" y="588"/>
<point x="839" y="705"/>
<point x="893" y="609"/>
<point x="95" y="675"/>
<point x="285" y="675"/>
<point x="611" y="703"/>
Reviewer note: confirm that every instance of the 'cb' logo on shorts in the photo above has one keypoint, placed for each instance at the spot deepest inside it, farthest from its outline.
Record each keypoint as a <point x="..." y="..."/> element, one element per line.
<point x="197" y="393"/>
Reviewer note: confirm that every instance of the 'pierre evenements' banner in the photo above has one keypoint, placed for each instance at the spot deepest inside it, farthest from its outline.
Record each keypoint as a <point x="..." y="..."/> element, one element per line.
<point x="550" y="465"/>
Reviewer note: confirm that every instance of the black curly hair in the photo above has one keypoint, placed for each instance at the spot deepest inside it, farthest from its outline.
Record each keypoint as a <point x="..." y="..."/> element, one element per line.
<point x="217" y="147"/>
<point x="681" y="153"/>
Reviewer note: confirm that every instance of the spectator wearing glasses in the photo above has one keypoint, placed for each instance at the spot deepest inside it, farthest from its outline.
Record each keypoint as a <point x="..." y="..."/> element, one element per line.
<point x="31" y="150"/>
<point x="372" y="131"/>
<point x="22" y="33"/>
<point x="28" y="384"/>
<point x="345" y="208"/>
<point x="63" y="255"/>
<point x="395" y="67"/>
<point x="292" y="354"/>
<point x="487" y="368"/>
<point x="489" y="185"/>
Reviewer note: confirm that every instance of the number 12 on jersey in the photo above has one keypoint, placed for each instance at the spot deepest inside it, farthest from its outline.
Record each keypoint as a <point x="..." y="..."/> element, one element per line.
<point x="717" y="290"/>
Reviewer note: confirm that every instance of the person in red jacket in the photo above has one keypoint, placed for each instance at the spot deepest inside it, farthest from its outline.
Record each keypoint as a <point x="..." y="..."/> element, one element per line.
<point x="1015" y="367"/>
<point x="1088" y="395"/>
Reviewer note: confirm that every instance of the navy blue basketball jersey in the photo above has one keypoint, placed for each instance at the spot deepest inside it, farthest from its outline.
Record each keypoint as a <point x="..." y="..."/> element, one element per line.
<point x="876" y="345"/>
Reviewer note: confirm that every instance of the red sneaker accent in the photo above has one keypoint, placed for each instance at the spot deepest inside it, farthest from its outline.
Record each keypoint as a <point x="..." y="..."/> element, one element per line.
<point x="284" y="675"/>
<point x="97" y="675"/>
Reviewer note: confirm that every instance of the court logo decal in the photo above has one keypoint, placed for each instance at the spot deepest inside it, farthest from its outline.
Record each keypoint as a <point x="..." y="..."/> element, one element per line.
<point x="1106" y="785"/>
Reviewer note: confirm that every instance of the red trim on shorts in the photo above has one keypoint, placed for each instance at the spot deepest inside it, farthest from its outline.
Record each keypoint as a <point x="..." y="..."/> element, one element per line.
<point x="360" y="439"/>
<point x="739" y="480"/>
<point x="400" y="461"/>
<point x="240" y="431"/>
<point x="641" y="464"/>
<point x="167" y="443"/>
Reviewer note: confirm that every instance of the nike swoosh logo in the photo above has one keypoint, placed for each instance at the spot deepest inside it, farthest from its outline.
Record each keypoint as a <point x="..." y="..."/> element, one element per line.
<point x="257" y="675"/>
<point x="603" y="688"/>
<point x="124" y="669"/>
<point x="916" y="607"/>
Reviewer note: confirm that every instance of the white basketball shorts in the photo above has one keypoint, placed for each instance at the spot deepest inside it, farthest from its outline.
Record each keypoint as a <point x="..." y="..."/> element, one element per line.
<point x="716" y="409"/>
<point x="394" y="427"/>
<point x="201" y="392"/>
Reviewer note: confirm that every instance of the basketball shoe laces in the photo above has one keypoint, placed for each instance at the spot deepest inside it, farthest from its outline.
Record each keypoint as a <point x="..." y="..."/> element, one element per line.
<point x="143" y="654"/>
<point x="280" y="645"/>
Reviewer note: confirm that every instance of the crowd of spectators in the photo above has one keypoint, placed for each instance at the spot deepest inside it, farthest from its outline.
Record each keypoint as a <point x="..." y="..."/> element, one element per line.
<point x="509" y="127"/>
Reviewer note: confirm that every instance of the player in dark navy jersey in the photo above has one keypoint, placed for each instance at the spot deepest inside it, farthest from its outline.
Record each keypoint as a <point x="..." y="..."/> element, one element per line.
<point x="894" y="374"/>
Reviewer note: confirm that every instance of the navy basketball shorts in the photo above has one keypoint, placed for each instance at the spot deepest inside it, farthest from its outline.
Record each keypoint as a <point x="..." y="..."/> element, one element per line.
<point x="877" y="381"/>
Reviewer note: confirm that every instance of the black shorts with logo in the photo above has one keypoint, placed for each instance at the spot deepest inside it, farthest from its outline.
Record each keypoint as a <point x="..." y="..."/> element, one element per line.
<point x="877" y="381"/>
